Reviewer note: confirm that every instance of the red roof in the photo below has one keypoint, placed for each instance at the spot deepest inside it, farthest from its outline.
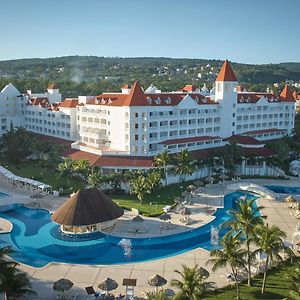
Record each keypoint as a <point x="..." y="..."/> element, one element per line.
<point x="296" y="95"/>
<point x="190" y="140"/>
<point x="271" y="130"/>
<point x="113" y="161"/>
<point x="69" y="103"/>
<point x="261" y="151"/>
<point x="286" y="95"/>
<point x="244" y="140"/>
<point x="44" y="102"/>
<point x="189" y="88"/>
<point x="254" y="97"/>
<point x="226" y="73"/>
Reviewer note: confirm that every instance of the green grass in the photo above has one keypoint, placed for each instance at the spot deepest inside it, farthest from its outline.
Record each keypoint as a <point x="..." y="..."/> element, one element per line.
<point x="153" y="203"/>
<point x="38" y="171"/>
<point x="277" y="287"/>
<point x="151" y="206"/>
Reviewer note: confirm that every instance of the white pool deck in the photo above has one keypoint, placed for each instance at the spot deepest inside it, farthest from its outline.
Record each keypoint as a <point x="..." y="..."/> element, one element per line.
<point x="82" y="276"/>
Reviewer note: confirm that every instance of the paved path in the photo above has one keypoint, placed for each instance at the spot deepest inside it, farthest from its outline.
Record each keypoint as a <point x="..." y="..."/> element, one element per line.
<point x="82" y="276"/>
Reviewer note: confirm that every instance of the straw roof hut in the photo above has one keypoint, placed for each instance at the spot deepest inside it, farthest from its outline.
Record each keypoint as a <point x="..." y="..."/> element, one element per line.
<point x="87" y="207"/>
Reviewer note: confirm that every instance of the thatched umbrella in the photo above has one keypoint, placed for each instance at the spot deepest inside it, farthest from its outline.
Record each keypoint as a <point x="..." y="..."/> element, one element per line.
<point x="198" y="183"/>
<point x="191" y="188"/>
<point x="137" y="219"/>
<point x="186" y="212"/>
<point x="203" y="272"/>
<point x="164" y="217"/>
<point x="108" y="285"/>
<point x="37" y="196"/>
<point x="290" y="199"/>
<point x="296" y="206"/>
<point x="209" y="179"/>
<point x="223" y="176"/>
<point x="62" y="285"/>
<point x="157" y="281"/>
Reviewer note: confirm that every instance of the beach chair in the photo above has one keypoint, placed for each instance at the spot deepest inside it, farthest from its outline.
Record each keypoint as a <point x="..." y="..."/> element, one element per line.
<point x="129" y="283"/>
<point x="90" y="291"/>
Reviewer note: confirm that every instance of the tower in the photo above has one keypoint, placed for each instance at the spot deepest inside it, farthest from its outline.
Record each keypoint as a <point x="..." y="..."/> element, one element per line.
<point x="226" y="96"/>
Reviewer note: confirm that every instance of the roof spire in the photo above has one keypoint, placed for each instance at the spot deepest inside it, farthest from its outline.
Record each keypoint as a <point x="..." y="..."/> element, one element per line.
<point x="286" y="94"/>
<point x="226" y="73"/>
<point x="136" y="96"/>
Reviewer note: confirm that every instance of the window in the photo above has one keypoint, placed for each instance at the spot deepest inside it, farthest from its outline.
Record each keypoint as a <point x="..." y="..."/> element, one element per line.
<point x="136" y="137"/>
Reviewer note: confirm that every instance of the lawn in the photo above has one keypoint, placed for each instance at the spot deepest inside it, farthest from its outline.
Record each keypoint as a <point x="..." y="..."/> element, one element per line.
<point x="152" y="205"/>
<point x="37" y="170"/>
<point x="277" y="287"/>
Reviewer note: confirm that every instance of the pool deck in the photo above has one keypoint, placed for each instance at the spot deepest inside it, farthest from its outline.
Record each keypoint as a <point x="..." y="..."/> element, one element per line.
<point x="42" y="278"/>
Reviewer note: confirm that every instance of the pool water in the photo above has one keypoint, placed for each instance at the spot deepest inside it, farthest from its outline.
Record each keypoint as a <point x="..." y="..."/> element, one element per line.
<point x="2" y="195"/>
<point x="284" y="190"/>
<point x="38" y="241"/>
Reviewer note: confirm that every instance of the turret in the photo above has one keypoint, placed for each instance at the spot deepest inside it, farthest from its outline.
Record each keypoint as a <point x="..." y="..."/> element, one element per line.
<point x="226" y="96"/>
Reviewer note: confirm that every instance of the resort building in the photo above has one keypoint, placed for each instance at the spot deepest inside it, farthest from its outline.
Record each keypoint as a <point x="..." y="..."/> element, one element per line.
<point x="127" y="129"/>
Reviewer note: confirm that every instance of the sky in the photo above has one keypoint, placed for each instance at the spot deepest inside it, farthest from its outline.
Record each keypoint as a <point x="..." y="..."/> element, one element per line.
<point x="246" y="31"/>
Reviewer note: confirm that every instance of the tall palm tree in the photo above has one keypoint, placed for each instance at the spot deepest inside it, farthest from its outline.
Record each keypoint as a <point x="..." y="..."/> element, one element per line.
<point x="139" y="187"/>
<point x="14" y="283"/>
<point x="231" y="254"/>
<point x="270" y="242"/>
<point x="161" y="160"/>
<point x="245" y="219"/>
<point x="184" y="164"/>
<point x="193" y="285"/>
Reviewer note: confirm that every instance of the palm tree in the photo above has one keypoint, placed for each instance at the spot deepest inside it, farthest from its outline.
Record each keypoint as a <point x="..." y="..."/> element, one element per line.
<point x="14" y="283"/>
<point x="193" y="283"/>
<point x="153" y="180"/>
<point x="161" y="160"/>
<point x="159" y="295"/>
<point x="270" y="242"/>
<point x="294" y="294"/>
<point x="245" y="219"/>
<point x="95" y="178"/>
<point x="231" y="254"/>
<point x="184" y="164"/>
<point x="139" y="187"/>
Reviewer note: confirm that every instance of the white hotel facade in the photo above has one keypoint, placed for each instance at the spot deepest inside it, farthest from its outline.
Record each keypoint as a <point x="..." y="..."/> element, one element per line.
<point x="128" y="128"/>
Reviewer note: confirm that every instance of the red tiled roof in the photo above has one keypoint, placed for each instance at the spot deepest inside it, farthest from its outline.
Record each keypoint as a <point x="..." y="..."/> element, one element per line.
<point x="244" y="140"/>
<point x="226" y="73"/>
<point x="254" y="97"/>
<point x="263" y="131"/>
<point x="189" y="88"/>
<point x="296" y="95"/>
<point x="261" y="151"/>
<point x="113" y="161"/>
<point x="69" y="103"/>
<point x="189" y="140"/>
<point x="286" y="95"/>
<point x="52" y="86"/>
<point x="44" y="102"/>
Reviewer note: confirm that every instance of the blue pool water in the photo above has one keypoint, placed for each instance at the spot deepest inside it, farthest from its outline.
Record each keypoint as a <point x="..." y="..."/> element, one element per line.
<point x="38" y="241"/>
<point x="3" y="195"/>
<point x="284" y="190"/>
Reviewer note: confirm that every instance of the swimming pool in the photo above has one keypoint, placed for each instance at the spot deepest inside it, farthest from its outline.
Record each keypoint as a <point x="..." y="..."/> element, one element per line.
<point x="284" y="190"/>
<point x="3" y="195"/>
<point x="37" y="241"/>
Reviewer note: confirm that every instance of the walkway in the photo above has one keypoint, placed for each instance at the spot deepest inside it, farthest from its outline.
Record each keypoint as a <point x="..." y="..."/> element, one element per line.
<point x="82" y="276"/>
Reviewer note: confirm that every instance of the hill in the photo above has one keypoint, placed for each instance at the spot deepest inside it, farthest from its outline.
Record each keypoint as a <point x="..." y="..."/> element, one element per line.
<point x="92" y="75"/>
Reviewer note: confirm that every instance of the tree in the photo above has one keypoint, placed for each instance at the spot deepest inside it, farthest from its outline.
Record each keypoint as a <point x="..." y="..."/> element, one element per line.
<point x="95" y="178"/>
<point x="270" y="242"/>
<point x="153" y="180"/>
<point x="159" y="295"/>
<point x="294" y="294"/>
<point x="14" y="283"/>
<point x="81" y="168"/>
<point x="161" y="160"/>
<point x="193" y="285"/>
<point x="245" y="219"/>
<point x="139" y="187"/>
<point x="231" y="254"/>
<point x="183" y="164"/>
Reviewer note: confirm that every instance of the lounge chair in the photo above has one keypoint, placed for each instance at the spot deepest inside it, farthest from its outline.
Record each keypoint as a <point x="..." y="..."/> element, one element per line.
<point x="90" y="291"/>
